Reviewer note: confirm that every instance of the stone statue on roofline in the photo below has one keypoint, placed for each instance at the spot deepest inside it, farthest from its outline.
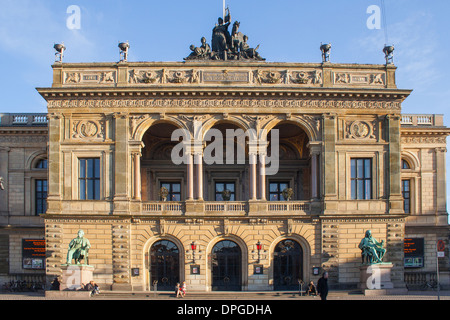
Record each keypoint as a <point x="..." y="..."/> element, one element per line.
<point x="200" y="53"/>
<point x="225" y="46"/>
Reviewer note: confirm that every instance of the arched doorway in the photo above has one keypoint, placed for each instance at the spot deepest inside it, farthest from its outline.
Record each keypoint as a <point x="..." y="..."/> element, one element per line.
<point x="287" y="265"/>
<point x="165" y="265"/>
<point x="226" y="260"/>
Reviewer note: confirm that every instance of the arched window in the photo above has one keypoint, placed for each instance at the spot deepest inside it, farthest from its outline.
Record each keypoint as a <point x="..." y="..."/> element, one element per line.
<point x="42" y="164"/>
<point x="405" y="164"/>
<point x="40" y="189"/>
<point x="406" y="188"/>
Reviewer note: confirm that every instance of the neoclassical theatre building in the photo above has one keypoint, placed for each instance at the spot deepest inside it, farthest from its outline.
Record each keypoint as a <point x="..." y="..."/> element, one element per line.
<point x="102" y="160"/>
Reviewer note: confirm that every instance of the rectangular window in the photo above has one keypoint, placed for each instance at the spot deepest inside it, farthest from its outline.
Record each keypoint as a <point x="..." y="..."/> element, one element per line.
<point x="276" y="190"/>
<point x="221" y="187"/>
<point x="41" y="191"/>
<point x="406" y="192"/>
<point x="174" y="190"/>
<point x="361" y="179"/>
<point x="89" y="179"/>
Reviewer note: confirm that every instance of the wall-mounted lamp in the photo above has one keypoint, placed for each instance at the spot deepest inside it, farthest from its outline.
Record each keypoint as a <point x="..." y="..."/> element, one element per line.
<point x="193" y="248"/>
<point x="259" y="248"/>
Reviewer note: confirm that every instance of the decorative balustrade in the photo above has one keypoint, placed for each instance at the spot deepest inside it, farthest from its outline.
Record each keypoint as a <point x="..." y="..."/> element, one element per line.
<point x="289" y="206"/>
<point x="23" y="119"/>
<point x="225" y="207"/>
<point x="422" y="120"/>
<point x="229" y="207"/>
<point x="161" y="207"/>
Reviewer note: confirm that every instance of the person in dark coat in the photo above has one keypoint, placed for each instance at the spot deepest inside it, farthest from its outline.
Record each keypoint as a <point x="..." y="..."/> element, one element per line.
<point x="322" y="286"/>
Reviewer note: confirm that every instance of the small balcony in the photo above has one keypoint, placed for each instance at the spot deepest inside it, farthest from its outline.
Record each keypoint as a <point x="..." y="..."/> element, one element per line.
<point x="163" y="207"/>
<point x="227" y="208"/>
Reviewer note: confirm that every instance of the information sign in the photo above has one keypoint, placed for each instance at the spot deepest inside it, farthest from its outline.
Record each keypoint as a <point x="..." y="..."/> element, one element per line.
<point x="33" y="254"/>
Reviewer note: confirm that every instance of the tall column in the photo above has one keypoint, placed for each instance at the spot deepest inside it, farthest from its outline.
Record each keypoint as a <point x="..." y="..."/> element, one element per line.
<point x="137" y="176"/>
<point x="314" y="176"/>
<point x="315" y="149"/>
<point x="198" y="158"/>
<point x="262" y="152"/>
<point x="262" y="176"/>
<point x="252" y="183"/>
<point x="190" y="177"/>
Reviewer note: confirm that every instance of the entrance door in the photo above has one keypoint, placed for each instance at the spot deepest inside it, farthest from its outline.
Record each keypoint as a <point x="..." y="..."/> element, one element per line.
<point x="287" y="265"/>
<point x="226" y="266"/>
<point x="165" y="265"/>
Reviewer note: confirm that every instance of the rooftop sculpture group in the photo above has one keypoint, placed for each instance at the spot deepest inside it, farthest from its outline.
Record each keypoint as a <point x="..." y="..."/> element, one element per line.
<point x="225" y="46"/>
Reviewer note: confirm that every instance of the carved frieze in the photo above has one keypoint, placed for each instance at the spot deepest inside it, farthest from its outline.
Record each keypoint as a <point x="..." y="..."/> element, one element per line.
<point x="301" y="77"/>
<point x="225" y="76"/>
<point x="72" y="77"/>
<point x="306" y="77"/>
<point x="222" y="103"/>
<point x="23" y="139"/>
<point x="163" y="76"/>
<point x="424" y="139"/>
<point x="358" y="78"/>
<point x="90" y="77"/>
<point x="193" y="76"/>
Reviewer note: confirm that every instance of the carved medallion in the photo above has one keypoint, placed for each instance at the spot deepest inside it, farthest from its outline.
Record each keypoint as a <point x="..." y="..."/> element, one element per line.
<point x="87" y="129"/>
<point x="359" y="130"/>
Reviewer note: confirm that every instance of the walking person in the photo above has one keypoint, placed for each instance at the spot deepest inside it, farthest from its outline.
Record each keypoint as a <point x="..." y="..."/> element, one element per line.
<point x="183" y="289"/>
<point x="322" y="286"/>
<point x="178" y="290"/>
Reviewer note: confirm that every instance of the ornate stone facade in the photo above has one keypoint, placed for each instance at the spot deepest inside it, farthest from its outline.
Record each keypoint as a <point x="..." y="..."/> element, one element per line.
<point x="122" y="117"/>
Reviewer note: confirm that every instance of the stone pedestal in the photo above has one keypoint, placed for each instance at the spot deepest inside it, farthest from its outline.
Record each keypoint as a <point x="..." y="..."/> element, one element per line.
<point x="376" y="280"/>
<point x="75" y="276"/>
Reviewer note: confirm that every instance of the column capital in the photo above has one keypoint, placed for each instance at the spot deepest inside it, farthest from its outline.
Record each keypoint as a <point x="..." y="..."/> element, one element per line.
<point x="120" y="115"/>
<point x="314" y="147"/>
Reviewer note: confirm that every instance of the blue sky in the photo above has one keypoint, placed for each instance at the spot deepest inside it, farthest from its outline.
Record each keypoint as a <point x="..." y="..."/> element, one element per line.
<point x="287" y="31"/>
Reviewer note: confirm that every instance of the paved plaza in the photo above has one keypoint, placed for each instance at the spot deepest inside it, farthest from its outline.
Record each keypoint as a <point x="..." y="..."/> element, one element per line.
<point x="236" y="296"/>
